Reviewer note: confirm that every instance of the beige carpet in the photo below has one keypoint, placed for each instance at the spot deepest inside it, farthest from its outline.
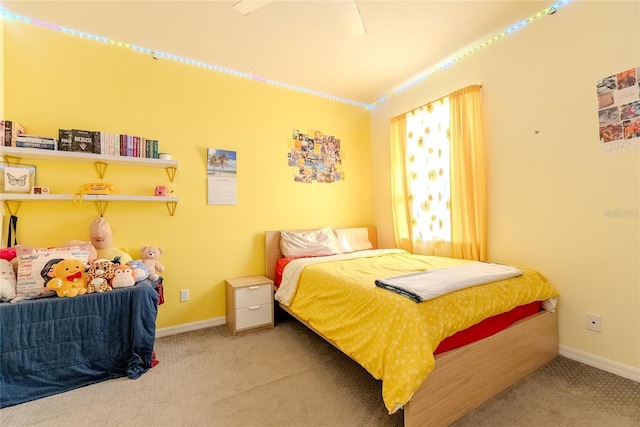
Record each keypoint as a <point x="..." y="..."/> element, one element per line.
<point x="290" y="377"/>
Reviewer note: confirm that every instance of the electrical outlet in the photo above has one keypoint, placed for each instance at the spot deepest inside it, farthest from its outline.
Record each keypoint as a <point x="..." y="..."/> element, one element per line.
<point x="594" y="322"/>
<point x="184" y="295"/>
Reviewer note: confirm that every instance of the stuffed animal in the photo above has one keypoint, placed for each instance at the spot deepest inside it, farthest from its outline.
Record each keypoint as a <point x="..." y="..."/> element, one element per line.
<point x="123" y="276"/>
<point x="69" y="279"/>
<point x="140" y="271"/>
<point x="102" y="239"/>
<point x="100" y="272"/>
<point x="150" y="256"/>
<point x="7" y="281"/>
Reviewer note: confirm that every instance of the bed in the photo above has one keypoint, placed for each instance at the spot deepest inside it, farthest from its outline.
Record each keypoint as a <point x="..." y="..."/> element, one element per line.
<point x="53" y="345"/>
<point x="431" y="390"/>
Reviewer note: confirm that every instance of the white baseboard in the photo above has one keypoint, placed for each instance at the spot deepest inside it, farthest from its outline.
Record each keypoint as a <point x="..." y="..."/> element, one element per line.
<point x="188" y="327"/>
<point x="601" y="363"/>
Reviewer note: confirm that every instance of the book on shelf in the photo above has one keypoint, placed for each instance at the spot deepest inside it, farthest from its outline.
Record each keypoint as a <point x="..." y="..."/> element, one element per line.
<point x="35" y="138"/>
<point x="106" y="143"/>
<point x="129" y="151"/>
<point x="152" y="149"/>
<point x="39" y="145"/>
<point x="135" y="146"/>
<point x="103" y="143"/>
<point x="123" y="144"/>
<point x="64" y="139"/>
<point x="33" y="141"/>
<point x="85" y="141"/>
<point x="9" y="131"/>
<point x="116" y="144"/>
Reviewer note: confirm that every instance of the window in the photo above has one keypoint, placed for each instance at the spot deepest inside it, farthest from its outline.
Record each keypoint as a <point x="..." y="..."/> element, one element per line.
<point x="438" y="182"/>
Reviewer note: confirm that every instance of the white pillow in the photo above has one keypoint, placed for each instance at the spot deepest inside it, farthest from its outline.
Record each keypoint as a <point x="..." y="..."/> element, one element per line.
<point x="309" y="243"/>
<point x="34" y="265"/>
<point x="353" y="239"/>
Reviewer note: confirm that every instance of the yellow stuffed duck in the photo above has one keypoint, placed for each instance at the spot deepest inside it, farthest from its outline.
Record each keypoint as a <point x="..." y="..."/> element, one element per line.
<point x="69" y="279"/>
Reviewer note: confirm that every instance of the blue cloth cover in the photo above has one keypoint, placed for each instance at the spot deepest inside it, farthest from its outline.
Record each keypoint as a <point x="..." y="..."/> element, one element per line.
<point x="53" y="345"/>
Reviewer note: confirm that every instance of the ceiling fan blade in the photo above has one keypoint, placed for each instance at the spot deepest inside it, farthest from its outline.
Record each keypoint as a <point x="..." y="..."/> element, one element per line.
<point x="245" y="7"/>
<point x="349" y="15"/>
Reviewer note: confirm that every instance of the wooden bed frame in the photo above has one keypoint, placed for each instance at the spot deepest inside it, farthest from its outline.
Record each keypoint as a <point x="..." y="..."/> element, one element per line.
<point x="465" y="377"/>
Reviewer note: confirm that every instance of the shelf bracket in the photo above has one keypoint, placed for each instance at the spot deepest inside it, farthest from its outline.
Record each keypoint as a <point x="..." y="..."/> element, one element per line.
<point x="8" y="204"/>
<point x="101" y="167"/>
<point x="172" y="207"/>
<point x="102" y="206"/>
<point x="171" y="171"/>
<point x="12" y="160"/>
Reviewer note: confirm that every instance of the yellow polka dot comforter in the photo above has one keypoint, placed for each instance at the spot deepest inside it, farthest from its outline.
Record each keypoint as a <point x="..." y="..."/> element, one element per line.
<point x="390" y="335"/>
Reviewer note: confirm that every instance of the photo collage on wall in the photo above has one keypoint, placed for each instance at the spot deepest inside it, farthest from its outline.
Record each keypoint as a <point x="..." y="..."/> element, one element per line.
<point x="315" y="157"/>
<point x="619" y="111"/>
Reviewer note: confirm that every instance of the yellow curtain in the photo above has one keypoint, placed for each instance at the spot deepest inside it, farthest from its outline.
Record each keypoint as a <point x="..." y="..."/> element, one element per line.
<point x="423" y="205"/>
<point x="468" y="180"/>
<point x="401" y="208"/>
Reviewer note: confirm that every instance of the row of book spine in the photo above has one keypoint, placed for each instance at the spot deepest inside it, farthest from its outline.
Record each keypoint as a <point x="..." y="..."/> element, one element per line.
<point x="114" y="144"/>
<point x="76" y="140"/>
<point x="110" y="144"/>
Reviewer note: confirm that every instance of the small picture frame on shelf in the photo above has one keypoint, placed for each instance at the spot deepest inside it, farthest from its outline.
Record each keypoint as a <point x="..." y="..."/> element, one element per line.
<point x="39" y="190"/>
<point x="17" y="178"/>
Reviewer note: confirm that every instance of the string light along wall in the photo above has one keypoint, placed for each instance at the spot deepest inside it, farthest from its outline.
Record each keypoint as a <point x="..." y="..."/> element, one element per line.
<point x="156" y="55"/>
<point x="446" y="64"/>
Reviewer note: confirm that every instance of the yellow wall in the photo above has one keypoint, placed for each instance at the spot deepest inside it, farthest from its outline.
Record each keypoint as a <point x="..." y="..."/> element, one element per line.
<point x="54" y="80"/>
<point x="549" y="191"/>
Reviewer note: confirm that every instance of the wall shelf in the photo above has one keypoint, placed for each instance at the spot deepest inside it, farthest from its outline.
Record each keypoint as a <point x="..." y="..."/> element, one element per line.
<point x="12" y="201"/>
<point x="85" y="197"/>
<point x="14" y="155"/>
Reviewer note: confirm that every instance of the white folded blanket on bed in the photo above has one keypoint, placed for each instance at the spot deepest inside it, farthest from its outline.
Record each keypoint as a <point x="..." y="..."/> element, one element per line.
<point x="426" y="285"/>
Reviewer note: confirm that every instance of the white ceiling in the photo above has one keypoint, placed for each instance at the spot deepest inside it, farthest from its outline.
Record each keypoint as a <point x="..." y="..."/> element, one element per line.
<point x="299" y="43"/>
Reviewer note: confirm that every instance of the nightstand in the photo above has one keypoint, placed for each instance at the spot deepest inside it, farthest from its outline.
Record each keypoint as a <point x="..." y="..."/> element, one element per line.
<point x="249" y="303"/>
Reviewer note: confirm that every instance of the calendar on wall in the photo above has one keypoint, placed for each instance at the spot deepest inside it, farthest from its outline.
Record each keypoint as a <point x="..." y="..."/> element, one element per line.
<point x="222" y="185"/>
<point x="619" y="111"/>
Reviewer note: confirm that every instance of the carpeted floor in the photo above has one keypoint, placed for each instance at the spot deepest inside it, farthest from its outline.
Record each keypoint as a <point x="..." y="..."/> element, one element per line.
<point x="288" y="376"/>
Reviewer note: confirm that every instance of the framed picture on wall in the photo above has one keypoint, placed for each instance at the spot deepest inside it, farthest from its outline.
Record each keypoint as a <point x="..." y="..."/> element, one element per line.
<point x="17" y="178"/>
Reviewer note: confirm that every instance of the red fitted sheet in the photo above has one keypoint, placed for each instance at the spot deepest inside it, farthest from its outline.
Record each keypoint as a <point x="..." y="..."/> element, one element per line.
<point x="486" y="328"/>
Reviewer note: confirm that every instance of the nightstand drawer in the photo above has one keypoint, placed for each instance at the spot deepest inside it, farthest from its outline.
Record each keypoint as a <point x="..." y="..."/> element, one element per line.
<point x="253" y="295"/>
<point x="249" y="303"/>
<point x="251" y="316"/>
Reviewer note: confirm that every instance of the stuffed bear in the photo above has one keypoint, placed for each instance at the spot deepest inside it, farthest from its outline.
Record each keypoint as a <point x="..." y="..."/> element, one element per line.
<point x="140" y="271"/>
<point x="100" y="272"/>
<point x="150" y="256"/>
<point x="7" y="281"/>
<point x="123" y="276"/>
<point x="69" y="279"/>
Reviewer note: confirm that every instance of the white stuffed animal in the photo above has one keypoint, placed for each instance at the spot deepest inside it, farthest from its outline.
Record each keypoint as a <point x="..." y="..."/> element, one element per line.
<point x="7" y="281"/>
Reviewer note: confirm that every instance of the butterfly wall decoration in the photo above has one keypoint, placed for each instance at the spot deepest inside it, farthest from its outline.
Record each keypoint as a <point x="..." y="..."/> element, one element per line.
<point x="17" y="178"/>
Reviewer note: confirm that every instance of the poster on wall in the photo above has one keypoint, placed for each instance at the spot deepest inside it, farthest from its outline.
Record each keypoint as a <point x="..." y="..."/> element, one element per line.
<point x="619" y="111"/>
<point x="315" y="157"/>
<point x="222" y="185"/>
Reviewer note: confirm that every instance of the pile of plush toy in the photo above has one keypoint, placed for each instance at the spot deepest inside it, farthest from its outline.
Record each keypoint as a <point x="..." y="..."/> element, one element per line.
<point x="104" y="268"/>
